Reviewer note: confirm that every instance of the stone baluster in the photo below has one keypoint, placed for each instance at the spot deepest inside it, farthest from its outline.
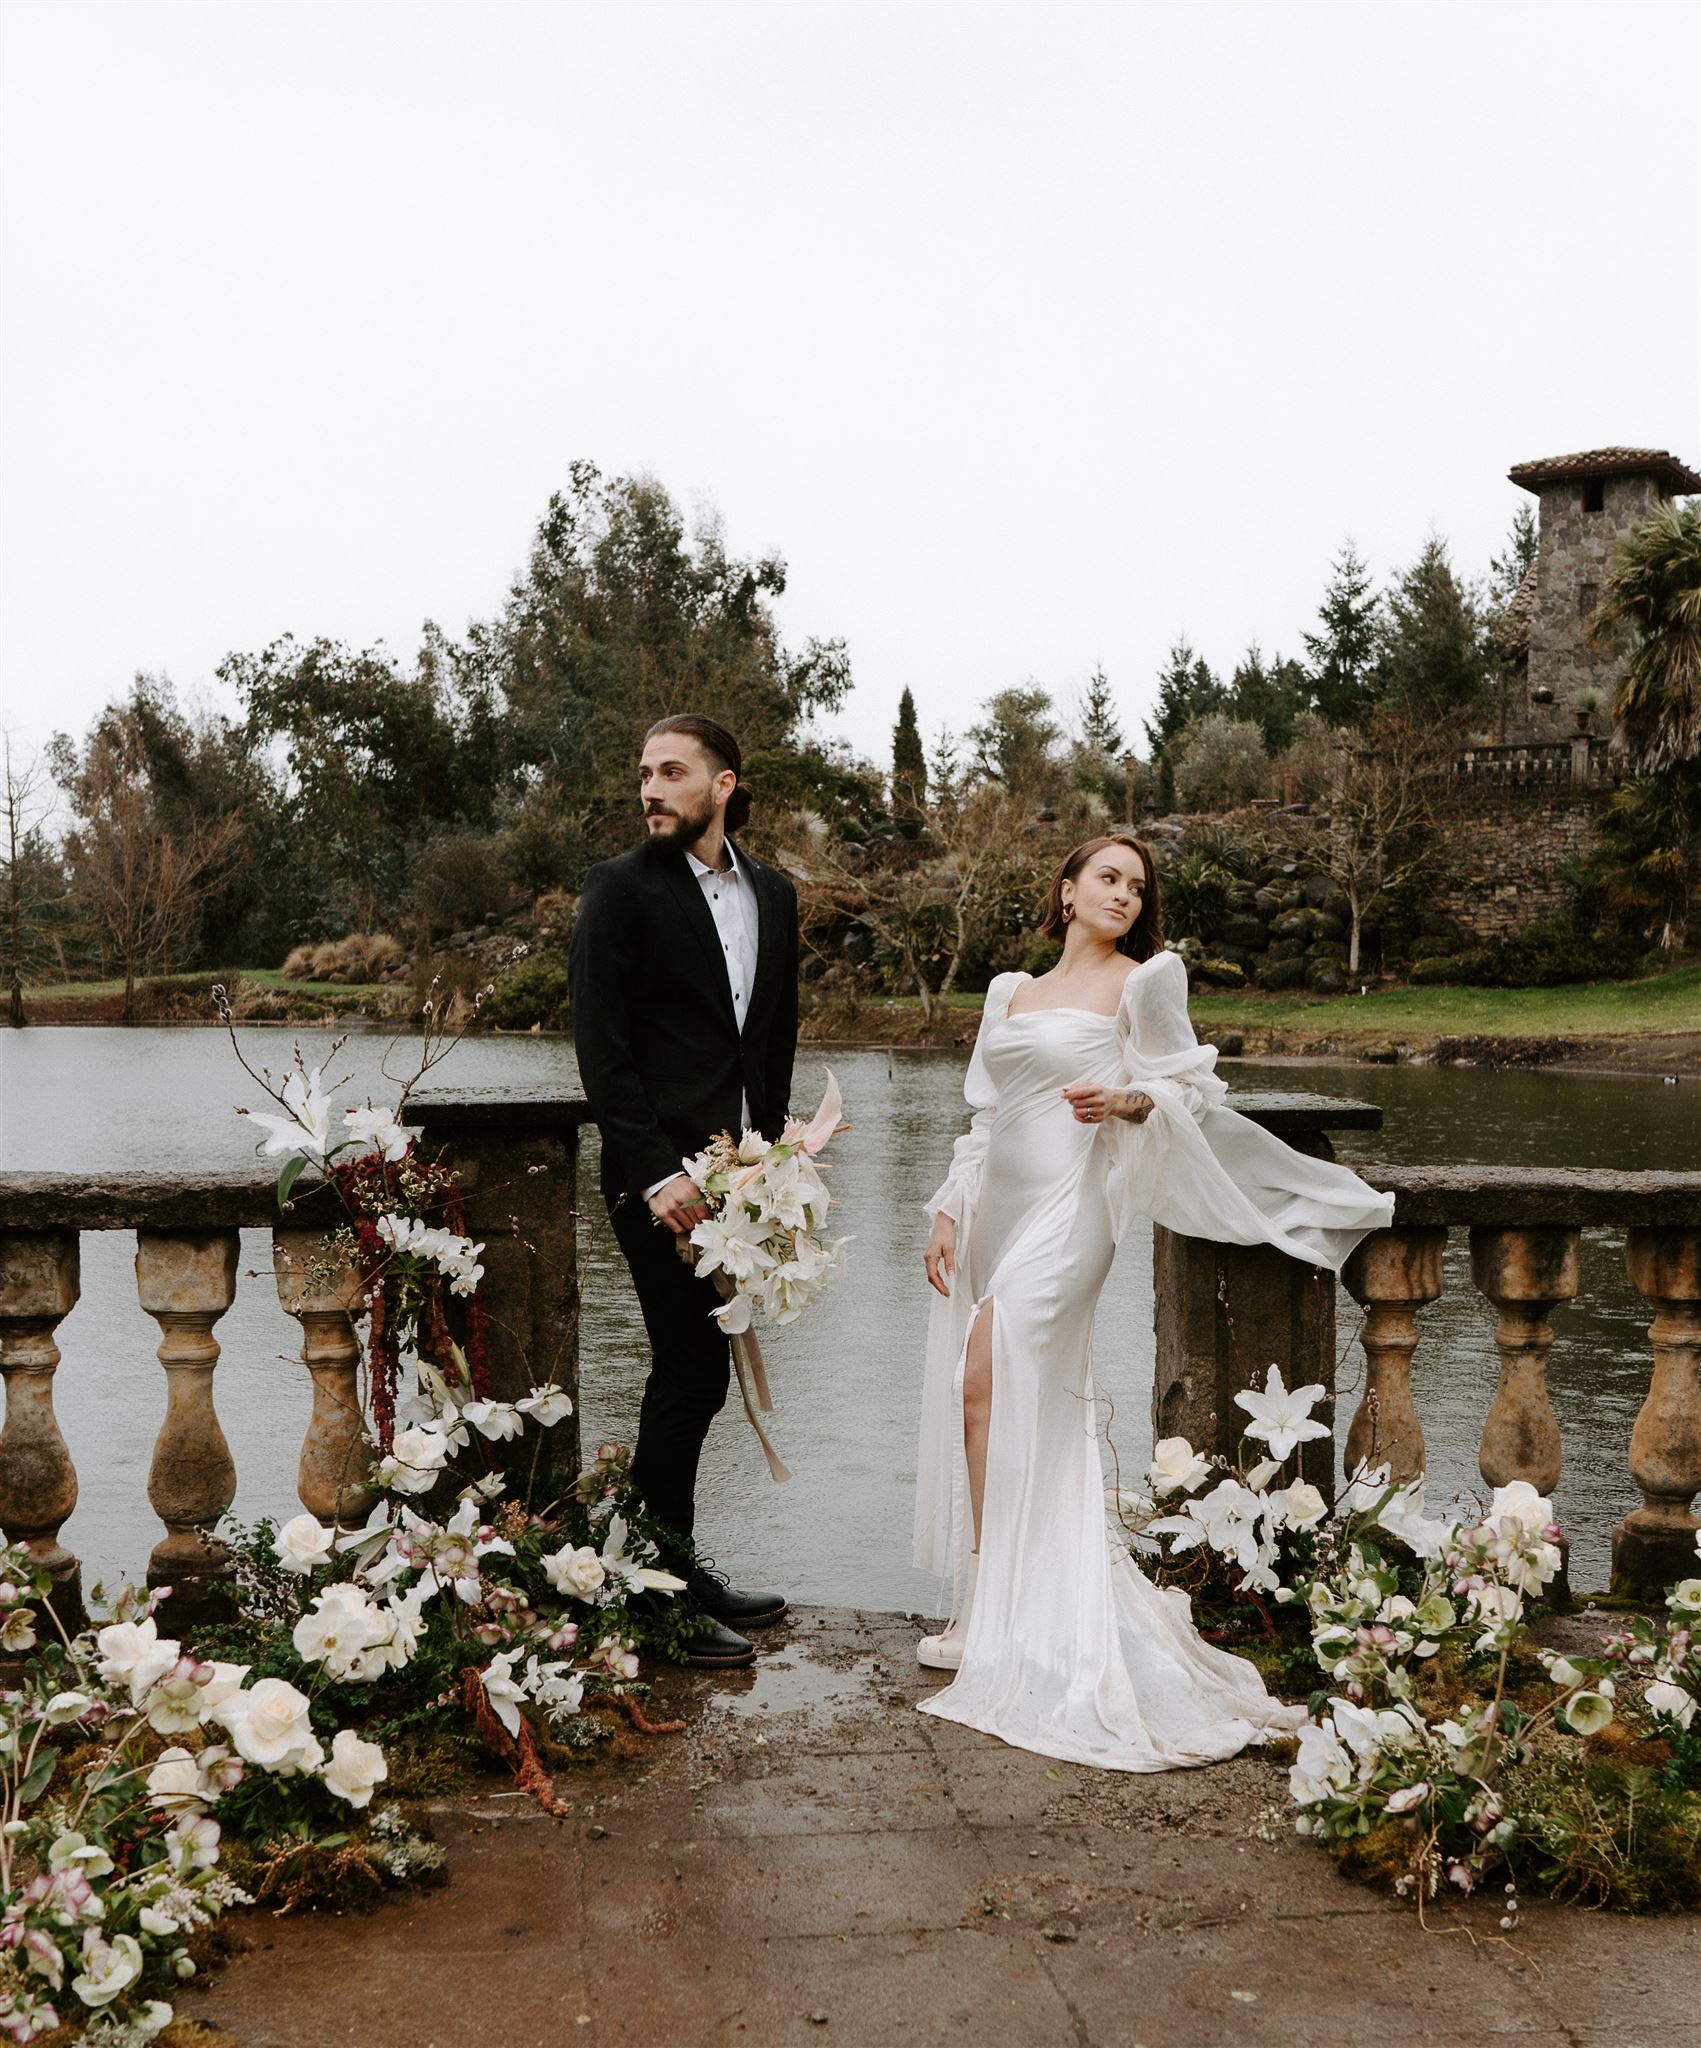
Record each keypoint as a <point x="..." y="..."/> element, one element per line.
<point x="323" y="1294"/>
<point x="1525" y="1273"/>
<point x="38" y="1482"/>
<point x="1655" y="1543"/>
<point x="1391" y="1275"/>
<point x="186" y="1281"/>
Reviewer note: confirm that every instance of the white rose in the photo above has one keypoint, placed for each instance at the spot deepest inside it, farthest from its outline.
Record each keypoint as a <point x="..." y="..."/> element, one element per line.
<point x="174" y="1783"/>
<point x="303" y="1543"/>
<point x="579" y="1573"/>
<point x="416" y="1457"/>
<point x="109" y="1967"/>
<point x="1299" y="1505"/>
<point x="1176" y="1466"/>
<point x="269" y="1726"/>
<point x="1521" y="1503"/>
<point x="225" y="1682"/>
<point x="355" y="1767"/>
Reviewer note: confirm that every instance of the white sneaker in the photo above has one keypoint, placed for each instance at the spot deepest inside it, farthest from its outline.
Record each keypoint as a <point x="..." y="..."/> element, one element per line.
<point x="944" y="1652"/>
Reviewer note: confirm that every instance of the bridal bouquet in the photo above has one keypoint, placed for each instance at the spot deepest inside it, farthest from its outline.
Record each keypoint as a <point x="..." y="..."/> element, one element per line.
<point x="761" y="1241"/>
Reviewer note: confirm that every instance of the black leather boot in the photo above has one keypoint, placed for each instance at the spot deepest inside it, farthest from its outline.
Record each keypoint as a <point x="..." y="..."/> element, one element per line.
<point x="709" y="1591"/>
<point x="720" y="1650"/>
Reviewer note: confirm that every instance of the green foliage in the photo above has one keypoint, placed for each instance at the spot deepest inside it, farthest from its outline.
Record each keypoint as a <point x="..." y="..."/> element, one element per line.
<point x="1547" y="954"/>
<point x="1196" y="897"/>
<point x="909" y="762"/>
<point x="1269" y="697"/>
<point x="1508" y="569"/>
<point x="1433" y="659"/>
<point x="1650" y="613"/>
<point x="533" y="991"/>
<point x="1187" y="691"/>
<point x="1343" y="651"/>
<point x="1016" y="743"/>
<point x="1219" y="763"/>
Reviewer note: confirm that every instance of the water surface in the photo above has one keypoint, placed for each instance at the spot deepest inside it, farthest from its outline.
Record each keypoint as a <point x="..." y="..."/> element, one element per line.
<point x="846" y="1379"/>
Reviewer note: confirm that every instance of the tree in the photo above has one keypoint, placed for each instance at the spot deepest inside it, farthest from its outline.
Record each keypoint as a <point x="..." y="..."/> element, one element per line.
<point x="1508" y="569"/>
<point x="1097" y="727"/>
<point x="1097" y="748"/>
<point x="619" y="619"/>
<point x="909" y="762"/>
<point x="1433" y="659"/>
<point x="140" y="882"/>
<point x="1220" y="763"/>
<point x="1016" y="743"/>
<point x="1187" y="690"/>
<point x="1640" y="869"/>
<point x="27" y="868"/>
<point x="1343" y="654"/>
<point x="1650" y="613"/>
<point x="1379" y="826"/>
<point x="1271" y="698"/>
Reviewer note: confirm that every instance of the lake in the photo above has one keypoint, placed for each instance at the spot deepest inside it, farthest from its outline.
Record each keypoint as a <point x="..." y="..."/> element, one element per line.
<point x="88" y="1099"/>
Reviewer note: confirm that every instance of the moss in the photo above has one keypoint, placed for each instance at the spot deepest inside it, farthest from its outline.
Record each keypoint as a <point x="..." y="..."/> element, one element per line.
<point x="432" y="1763"/>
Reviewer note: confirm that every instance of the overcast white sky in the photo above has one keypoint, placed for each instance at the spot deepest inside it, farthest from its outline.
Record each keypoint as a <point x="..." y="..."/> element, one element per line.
<point x="1032" y="335"/>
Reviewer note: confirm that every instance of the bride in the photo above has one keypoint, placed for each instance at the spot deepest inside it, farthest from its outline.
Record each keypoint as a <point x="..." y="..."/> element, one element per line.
<point x="1093" y="1103"/>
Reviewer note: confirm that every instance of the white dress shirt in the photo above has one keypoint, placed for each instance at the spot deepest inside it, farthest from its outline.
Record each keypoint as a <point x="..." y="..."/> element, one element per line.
<point x="731" y="896"/>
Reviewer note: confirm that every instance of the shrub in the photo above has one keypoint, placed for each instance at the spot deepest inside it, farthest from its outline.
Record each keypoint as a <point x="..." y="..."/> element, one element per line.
<point x="459" y="880"/>
<point x="532" y="991"/>
<point x="1546" y="955"/>
<point x="1434" y="971"/>
<point x="1219" y="763"/>
<point x="361" y="956"/>
<point x="1196" y="897"/>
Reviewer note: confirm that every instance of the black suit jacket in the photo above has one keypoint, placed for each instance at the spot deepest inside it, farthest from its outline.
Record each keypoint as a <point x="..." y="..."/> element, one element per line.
<point x="660" y="1053"/>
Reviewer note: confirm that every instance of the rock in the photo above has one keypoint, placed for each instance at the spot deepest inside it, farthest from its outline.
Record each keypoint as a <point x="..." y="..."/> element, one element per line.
<point x="1287" y="949"/>
<point x="1220" y="974"/>
<point x="1248" y="932"/>
<point x="1329" y="926"/>
<point x="1326" y="978"/>
<point x="1318" y="890"/>
<point x="1268" y="902"/>
<point x="1298" y="923"/>
<point x="857" y="947"/>
<point x="1293" y="897"/>
<point x="1327" y="949"/>
<point x="1339" y="905"/>
<point x="812" y="968"/>
<point x="1238" y="954"/>
<point x="1242" y="895"/>
<point x="1230" y="1044"/>
<point x="1279" y="974"/>
<point x="1384" y="1055"/>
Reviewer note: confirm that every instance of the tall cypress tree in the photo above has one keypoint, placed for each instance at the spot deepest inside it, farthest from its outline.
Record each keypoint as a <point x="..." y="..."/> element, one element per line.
<point x="1432" y="658"/>
<point x="909" y="762"/>
<point x="1343" y="654"/>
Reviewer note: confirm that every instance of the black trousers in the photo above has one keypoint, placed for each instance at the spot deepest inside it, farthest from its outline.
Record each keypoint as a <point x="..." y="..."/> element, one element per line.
<point x="690" y="1365"/>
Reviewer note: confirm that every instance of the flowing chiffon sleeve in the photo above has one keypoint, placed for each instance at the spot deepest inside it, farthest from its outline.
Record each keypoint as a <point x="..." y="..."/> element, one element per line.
<point x="1198" y="1167"/>
<point x="956" y="1195"/>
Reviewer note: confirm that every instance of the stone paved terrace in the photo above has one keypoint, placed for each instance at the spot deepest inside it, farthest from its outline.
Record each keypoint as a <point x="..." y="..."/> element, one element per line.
<point x="814" y="1862"/>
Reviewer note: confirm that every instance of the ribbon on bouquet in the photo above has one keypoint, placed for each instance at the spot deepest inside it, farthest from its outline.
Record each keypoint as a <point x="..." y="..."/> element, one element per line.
<point x="749" y="1365"/>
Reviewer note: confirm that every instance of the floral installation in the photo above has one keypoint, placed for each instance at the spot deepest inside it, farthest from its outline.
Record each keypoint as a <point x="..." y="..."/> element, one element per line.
<point x="761" y="1241"/>
<point x="1442" y="1751"/>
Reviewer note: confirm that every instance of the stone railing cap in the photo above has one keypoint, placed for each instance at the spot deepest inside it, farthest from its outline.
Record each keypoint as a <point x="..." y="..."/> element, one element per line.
<point x="1287" y="1114"/>
<point x="1512" y="1197"/>
<point x="496" y="1109"/>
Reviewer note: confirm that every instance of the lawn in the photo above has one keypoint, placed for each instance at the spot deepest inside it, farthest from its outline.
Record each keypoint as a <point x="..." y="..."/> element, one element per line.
<point x="1596" y="1009"/>
<point x="259" y="977"/>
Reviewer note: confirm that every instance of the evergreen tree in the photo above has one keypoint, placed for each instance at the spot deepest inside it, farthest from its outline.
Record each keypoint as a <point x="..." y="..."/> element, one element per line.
<point x="1433" y="659"/>
<point x="1506" y="571"/>
<point x="1186" y="690"/>
<point x="909" y="761"/>
<point x="1270" y="698"/>
<point x="1343" y="654"/>
<point x="1100" y="733"/>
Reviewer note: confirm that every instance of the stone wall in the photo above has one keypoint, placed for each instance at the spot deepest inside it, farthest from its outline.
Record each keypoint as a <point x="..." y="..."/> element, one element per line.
<point x="1571" y="566"/>
<point x="1508" y="852"/>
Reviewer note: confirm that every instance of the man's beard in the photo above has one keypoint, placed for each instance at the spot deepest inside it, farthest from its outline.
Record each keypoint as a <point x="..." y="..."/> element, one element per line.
<point x="688" y="827"/>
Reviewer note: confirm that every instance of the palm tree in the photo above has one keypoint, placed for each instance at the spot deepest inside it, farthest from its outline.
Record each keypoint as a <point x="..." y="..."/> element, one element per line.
<point x="1651" y="613"/>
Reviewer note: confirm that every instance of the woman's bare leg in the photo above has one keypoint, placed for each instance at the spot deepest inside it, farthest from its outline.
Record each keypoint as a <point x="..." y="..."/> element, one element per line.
<point x="977" y="1408"/>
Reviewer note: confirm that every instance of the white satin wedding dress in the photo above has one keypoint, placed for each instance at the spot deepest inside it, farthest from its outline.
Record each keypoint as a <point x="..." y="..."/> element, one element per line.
<point x="1070" y="1649"/>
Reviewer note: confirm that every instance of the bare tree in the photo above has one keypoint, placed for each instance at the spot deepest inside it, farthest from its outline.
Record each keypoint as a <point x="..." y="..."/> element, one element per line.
<point x="23" y="804"/>
<point x="1378" y="823"/>
<point x="141" y="885"/>
<point x="934" y="897"/>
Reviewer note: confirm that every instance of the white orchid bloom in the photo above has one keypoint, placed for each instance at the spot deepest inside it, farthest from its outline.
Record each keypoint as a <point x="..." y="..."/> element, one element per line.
<point x="1588" y="1712"/>
<point x="495" y="1420"/>
<point x="1323" y="1766"/>
<point x="546" y="1405"/>
<point x="734" y="1316"/>
<point x="505" y="1694"/>
<point x="378" y="1128"/>
<point x="1281" y="1418"/>
<point x="619" y="1566"/>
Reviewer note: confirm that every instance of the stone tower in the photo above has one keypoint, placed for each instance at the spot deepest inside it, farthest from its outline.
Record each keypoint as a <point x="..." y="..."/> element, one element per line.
<point x="1587" y="503"/>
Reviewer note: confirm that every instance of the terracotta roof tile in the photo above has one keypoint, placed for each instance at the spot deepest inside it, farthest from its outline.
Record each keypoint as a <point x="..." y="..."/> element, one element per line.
<point x="1677" y="476"/>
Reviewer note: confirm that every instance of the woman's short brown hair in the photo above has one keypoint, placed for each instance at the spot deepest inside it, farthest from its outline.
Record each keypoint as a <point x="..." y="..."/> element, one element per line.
<point x="1145" y="936"/>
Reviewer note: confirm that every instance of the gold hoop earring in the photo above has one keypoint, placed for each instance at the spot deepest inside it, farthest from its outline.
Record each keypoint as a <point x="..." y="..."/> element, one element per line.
<point x="1068" y="912"/>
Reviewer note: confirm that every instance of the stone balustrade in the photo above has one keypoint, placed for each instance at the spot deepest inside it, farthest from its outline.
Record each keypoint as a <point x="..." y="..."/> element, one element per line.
<point x="1583" y="761"/>
<point x="518" y="1168"/>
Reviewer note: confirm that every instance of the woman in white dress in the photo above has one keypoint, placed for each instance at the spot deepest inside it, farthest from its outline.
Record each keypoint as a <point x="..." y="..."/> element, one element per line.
<point x="1093" y="1103"/>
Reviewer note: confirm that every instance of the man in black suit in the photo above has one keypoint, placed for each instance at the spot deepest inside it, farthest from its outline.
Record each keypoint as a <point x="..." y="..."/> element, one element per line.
<point x="684" y="973"/>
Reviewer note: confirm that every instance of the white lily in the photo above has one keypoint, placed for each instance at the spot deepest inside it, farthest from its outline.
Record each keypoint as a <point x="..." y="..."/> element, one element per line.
<point x="1280" y="1417"/>
<point x="307" y="1127"/>
<point x="379" y="1128"/>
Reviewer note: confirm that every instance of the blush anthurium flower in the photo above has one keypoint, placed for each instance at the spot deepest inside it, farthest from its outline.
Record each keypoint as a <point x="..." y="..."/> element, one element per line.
<point x="1281" y="1418"/>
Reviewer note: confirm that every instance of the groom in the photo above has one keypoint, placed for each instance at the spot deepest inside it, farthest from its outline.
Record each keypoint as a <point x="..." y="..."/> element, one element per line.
<point x="684" y="980"/>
